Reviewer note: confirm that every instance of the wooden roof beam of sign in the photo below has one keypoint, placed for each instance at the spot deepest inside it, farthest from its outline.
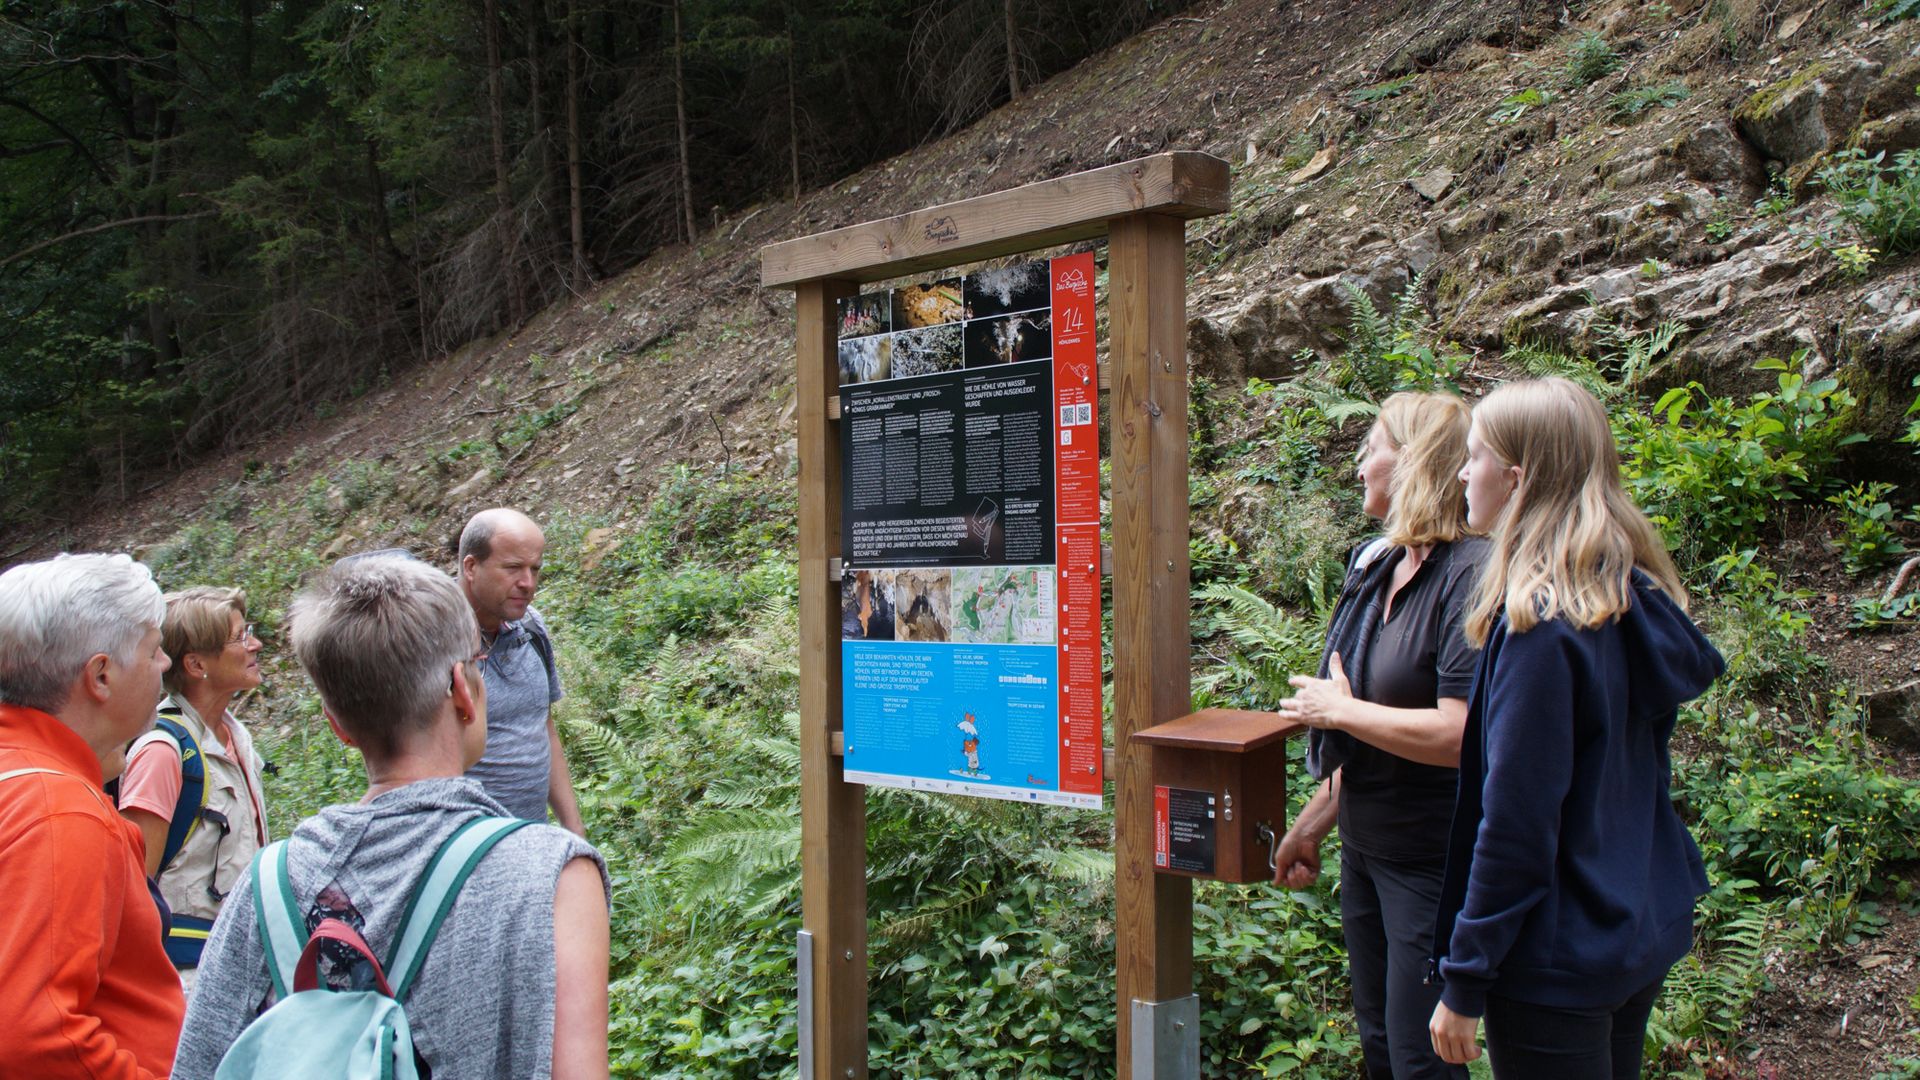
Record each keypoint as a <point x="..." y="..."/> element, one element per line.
<point x="1180" y="184"/>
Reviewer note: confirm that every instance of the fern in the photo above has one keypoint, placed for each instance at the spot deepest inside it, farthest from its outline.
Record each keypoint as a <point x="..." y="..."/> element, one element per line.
<point x="1080" y="865"/>
<point x="1384" y="353"/>
<point x="1633" y="352"/>
<point x="601" y="748"/>
<point x="1707" y="994"/>
<point x="1542" y="362"/>
<point x="1895" y="10"/>
<point x="899" y="933"/>
<point x="1272" y="646"/>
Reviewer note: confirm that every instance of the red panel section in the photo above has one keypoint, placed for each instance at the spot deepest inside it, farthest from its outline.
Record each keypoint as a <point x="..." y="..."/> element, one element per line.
<point x="1076" y="471"/>
<point x="1162" y="816"/>
<point x="1076" y="393"/>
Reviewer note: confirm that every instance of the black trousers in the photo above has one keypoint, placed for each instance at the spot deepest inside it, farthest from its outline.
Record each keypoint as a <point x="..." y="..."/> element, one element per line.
<point x="1387" y="908"/>
<point x="1526" y="1041"/>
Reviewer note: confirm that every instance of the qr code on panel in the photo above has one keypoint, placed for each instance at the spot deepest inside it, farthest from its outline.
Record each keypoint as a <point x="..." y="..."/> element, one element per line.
<point x="1074" y="415"/>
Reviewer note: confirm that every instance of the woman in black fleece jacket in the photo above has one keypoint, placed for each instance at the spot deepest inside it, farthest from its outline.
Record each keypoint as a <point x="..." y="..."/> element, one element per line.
<point x="1570" y="878"/>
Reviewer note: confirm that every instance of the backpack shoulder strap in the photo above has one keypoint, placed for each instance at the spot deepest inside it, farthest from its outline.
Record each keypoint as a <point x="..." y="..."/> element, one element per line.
<point x="283" y="931"/>
<point x="434" y="894"/>
<point x="542" y="643"/>
<point x="192" y="800"/>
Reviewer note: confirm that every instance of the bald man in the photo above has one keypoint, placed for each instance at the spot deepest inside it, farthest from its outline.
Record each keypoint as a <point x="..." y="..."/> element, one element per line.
<point x="524" y="769"/>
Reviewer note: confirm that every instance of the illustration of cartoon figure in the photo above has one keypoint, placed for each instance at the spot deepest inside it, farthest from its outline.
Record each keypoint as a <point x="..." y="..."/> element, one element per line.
<point x="970" y="745"/>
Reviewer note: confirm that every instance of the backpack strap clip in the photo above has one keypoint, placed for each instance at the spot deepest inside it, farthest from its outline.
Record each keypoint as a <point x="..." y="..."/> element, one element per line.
<point x="292" y="954"/>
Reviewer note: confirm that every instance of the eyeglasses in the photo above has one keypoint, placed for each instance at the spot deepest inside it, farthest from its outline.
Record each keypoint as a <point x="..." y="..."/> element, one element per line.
<point x="246" y="633"/>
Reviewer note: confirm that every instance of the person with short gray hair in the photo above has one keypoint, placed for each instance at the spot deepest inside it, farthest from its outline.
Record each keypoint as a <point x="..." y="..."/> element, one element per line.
<point x="515" y="984"/>
<point x="88" y="989"/>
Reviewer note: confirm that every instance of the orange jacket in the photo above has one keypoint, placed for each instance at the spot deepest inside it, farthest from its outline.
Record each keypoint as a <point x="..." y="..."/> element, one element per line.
<point x="87" y="990"/>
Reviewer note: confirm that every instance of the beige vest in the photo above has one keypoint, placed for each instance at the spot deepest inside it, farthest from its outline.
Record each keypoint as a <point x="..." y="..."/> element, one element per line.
<point x="233" y="789"/>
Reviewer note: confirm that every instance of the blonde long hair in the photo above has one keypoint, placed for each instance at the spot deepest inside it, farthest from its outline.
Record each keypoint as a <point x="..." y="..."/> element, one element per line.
<point x="1567" y="541"/>
<point x="1429" y="435"/>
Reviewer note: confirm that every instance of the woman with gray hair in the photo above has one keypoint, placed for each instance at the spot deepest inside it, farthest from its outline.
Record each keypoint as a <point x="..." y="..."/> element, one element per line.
<point x="192" y="784"/>
<point x="515" y="984"/>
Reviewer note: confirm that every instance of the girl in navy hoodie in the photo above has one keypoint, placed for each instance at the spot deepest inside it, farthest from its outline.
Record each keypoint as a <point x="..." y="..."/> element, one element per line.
<point x="1570" y="878"/>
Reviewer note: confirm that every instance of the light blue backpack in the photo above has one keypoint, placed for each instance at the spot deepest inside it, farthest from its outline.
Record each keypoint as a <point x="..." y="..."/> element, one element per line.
<point x="313" y="1033"/>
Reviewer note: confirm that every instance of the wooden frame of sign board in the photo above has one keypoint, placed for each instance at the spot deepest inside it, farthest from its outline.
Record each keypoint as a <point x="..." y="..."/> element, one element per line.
<point x="1142" y="207"/>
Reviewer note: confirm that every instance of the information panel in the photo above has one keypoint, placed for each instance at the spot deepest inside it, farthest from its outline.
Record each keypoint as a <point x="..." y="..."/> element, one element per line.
<point x="970" y="533"/>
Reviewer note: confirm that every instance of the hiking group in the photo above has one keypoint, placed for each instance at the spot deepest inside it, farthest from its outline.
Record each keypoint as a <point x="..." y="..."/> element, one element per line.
<point x="1489" y="729"/>
<point x="158" y="932"/>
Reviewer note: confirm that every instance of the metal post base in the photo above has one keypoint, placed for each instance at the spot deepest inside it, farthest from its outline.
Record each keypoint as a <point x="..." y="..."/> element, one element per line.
<point x="803" y="965"/>
<point x="1166" y="1039"/>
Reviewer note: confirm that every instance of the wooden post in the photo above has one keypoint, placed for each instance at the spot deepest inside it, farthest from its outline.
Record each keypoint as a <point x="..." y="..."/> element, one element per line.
<point x="1147" y="418"/>
<point x="833" y="848"/>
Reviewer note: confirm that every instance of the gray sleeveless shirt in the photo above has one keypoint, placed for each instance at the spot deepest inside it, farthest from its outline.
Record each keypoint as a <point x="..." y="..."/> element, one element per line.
<point x="483" y="1004"/>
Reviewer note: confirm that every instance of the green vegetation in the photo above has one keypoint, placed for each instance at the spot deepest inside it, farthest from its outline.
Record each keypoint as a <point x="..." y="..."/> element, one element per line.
<point x="991" y="923"/>
<point x="1630" y="103"/>
<point x="1391" y="89"/>
<point x="1384" y="352"/>
<point x="1867" y="538"/>
<point x="1880" y="199"/>
<point x="1710" y="470"/>
<point x="1514" y="106"/>
<point x="1589" y="59"/>
<point x="1893" y="11"/>
<point x="241" y="216"/>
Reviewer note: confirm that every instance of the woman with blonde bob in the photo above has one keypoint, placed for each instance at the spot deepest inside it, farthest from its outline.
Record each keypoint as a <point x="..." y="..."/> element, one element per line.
<point x="199" y="840"/>
<point x="1570" y="878"/>
<point x="1386" y="713"/>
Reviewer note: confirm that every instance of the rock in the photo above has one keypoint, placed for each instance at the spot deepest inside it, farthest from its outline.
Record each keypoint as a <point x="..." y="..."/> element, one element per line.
<point x="1893" y="715"/>
<point x="339" y="546"/>
<point x="1714" y="153"/>
<point x="471" y="487"/>
<point x="1258" y="338"/>
<point x="1320" y="163"/>
<point x="596" y="545"/>
<point x="1421" y="250"/>
<point x="1901" y="334"/>
<point x="1791" y="25"/>
<point x="1809" y="113"/>
<point x="1433" y="184"/>
<point x="1889" y="136"/>
<point x="1893" y="90"/>
<point x="1766" y="277"/>
<point x="1457" y="232"/>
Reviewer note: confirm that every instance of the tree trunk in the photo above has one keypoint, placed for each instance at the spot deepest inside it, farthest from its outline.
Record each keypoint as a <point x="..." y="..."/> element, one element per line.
<point x="502" y="193"/>
<point x="1013" y="53"/>
<point x="546" y="189"/>
<point x="680" y="121"/>
<point x="793" y="108"/>
<point x="576" y="210"/>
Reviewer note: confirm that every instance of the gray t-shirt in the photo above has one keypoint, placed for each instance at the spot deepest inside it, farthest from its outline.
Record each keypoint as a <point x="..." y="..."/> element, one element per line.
<point x="521" y="690"/>
<point x="483" y="1004"/>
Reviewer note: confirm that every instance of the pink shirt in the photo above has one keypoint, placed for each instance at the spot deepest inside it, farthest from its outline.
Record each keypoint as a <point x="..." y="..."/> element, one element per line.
<point x="152" y="781"/>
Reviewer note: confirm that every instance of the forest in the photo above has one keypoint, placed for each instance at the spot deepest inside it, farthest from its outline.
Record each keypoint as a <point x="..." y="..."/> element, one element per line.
<point x="221" y="215"/>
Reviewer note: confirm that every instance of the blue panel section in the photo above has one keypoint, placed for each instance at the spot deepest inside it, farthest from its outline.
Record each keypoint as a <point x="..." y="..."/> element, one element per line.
<point x="977" y="719"/>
